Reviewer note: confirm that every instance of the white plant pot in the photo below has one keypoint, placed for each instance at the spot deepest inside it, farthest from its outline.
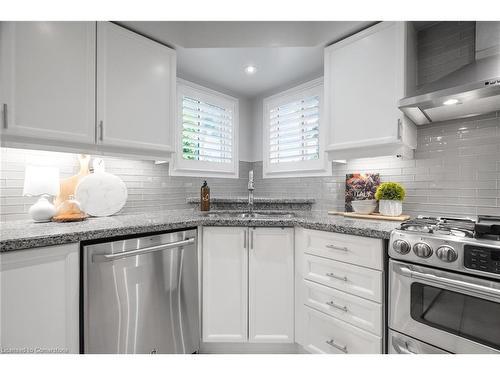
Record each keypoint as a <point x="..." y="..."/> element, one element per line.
<point x="390" y="208"/>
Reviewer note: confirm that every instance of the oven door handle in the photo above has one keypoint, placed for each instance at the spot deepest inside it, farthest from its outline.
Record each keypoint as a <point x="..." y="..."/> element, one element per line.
<point x="401" y="349"/>
<point x="448" y="282"/>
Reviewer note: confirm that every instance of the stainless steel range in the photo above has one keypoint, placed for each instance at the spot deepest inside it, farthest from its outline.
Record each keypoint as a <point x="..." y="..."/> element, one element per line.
<point x="445" y="286"/>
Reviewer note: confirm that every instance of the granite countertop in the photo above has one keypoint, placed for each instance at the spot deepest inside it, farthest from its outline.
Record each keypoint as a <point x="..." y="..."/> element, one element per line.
<point x="24" y="234"/>
<point x="256" y="199"/>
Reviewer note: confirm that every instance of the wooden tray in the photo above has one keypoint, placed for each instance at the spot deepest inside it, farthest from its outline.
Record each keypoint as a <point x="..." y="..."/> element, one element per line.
<point x="68" y="218"/>
<point x="374" y="216"/>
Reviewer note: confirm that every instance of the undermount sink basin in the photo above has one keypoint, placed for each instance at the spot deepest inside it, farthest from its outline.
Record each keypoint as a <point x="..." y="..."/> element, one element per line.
<point x="252" y="215"/>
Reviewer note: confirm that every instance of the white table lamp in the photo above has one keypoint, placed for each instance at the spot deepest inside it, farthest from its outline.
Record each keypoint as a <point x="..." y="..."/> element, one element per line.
<point x="42" y="182"/>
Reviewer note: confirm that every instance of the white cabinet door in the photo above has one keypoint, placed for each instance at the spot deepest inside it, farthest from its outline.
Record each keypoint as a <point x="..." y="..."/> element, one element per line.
<point x="225" y="284"/>
<point x="136" y="80"/>
<point x="365" y="76"/>
<point x="39" y="300"/>
<point x="271" y="285"/>
<point x="47" y="80"/>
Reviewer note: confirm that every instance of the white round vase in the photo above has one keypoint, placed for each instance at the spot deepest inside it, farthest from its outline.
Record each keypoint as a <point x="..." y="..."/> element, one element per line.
<point x="390" y="208"/>
<point x="42" y="210"/>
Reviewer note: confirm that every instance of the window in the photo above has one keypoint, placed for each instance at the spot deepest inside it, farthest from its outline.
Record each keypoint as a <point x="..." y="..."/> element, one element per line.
<point x="293" y="137"/>
<point x="207" y="128"/>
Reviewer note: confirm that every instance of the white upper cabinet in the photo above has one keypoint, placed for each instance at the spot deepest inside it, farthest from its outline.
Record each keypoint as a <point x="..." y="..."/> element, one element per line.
<point x="271" y="285"/>
<point x="365" y="77"/>
<point x="47" y="80"/>
<point x="136" y="80"/>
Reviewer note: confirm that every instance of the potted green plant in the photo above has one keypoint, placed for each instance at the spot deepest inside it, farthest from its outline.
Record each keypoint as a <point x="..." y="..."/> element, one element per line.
<point x="390" y="196"/>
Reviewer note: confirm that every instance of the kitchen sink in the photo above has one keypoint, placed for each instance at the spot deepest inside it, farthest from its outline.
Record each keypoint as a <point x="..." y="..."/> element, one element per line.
<point x="252" y="215"/>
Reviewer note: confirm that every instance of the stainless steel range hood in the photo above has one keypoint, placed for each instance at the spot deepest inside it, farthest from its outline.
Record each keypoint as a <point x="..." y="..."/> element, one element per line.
<point x="471" y="90"/>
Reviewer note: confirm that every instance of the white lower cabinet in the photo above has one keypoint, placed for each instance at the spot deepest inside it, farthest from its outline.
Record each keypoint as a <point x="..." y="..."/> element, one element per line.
<point x="327" y="335"/>
<point x="344" y="306"/>
<point x="225" y="284"/>
<point x="248" y="285"/>
<point x="39" y="300"/>
<point x="338" y="293"/>
<point x="271" y="291"/>
<point x="350" y="278"/>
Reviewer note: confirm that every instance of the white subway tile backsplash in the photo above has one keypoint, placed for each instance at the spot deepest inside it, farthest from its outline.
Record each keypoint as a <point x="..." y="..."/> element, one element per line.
<point x="150" y="188"/>
<point x="438" y="181"/>
<point x="456" y="171"/>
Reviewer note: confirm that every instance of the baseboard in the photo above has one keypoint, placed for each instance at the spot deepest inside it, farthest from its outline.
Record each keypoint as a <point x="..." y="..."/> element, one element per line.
<point x="249" y="348"/>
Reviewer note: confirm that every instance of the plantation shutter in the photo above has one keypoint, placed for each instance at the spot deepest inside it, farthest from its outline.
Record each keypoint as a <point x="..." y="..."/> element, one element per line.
<point x="294" y="131"/>
<point x="207" y="131"/>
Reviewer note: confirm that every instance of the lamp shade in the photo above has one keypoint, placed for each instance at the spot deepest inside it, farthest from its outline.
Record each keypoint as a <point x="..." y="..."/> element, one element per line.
<point x="41" y="180"/>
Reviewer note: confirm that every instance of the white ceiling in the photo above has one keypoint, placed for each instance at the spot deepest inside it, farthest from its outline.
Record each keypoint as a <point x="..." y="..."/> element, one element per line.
<point x="215" y="53"/>
<point x="223" y="68"/>
<point x="235" y="34"/>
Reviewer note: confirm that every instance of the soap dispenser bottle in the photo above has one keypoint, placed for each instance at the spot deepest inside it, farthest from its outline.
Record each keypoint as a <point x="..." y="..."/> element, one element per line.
<point x="205" y="197"/>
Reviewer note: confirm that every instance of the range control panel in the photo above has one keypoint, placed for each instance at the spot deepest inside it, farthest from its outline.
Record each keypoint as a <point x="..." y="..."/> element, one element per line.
<point x="480" y="258"/>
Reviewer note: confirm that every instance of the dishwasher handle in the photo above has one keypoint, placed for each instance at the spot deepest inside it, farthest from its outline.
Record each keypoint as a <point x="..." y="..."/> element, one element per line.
<point x="97" y="258"/>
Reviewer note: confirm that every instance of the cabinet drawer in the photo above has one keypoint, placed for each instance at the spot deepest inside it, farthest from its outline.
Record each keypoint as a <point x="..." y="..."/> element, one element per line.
<point x="346" y="307"/>
<point x="363" y="282"/>
<point x="357" y="250"/>
<point x="327" y="335"/>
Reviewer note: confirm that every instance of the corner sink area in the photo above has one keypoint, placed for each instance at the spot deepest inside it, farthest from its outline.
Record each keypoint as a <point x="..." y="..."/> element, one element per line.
<point x="251" y="215"/>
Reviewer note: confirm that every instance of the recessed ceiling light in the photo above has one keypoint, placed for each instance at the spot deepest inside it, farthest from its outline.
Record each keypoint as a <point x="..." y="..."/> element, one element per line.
<point x="450" y="102"/>
<point x="250" y="69"/>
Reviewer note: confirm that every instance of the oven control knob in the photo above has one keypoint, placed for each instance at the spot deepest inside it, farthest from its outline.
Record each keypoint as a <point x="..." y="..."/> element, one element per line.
<point x="401" y="246"/>
<point x="446" y="254"/>
<point x="422" y="250"/>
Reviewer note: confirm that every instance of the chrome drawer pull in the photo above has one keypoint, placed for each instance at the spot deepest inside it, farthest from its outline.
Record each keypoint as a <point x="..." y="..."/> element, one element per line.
<point x="333" y="276"/>
<point x="342" y="348"/>
<point x="334" y="247"/>
<point x="333" y="304"/>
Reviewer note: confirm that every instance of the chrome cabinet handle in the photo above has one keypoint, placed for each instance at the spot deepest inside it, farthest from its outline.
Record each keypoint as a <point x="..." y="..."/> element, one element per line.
<point x="4" y="116"/>
<point x="400" y="125"/>
<point x="342" y="348"/>
<point x="333" y="276"/>
<point x="96" y="258"/>
<point x="245" y="239"/>
<point x="251" y="239"/>
<point x="447" y="282"/>
<point x="333" y="304"/>
<point x="334" y="247"/>
<point x="101" y="130"/>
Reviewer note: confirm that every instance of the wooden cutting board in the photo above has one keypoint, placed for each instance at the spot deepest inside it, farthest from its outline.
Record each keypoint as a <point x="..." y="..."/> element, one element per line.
<point x="68" y="185"/>
<point x="374" y="216"/>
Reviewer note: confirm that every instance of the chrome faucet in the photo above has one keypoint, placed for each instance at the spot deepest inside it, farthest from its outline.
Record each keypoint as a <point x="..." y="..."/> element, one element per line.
<point x="251" y="188"/>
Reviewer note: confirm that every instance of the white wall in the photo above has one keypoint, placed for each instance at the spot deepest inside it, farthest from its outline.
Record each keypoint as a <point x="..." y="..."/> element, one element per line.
<point x="247" y="140"/>
<point x="256" y="122"/>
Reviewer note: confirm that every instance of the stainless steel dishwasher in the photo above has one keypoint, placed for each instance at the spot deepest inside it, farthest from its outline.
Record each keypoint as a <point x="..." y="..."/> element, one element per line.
<point x="140" y="295"/>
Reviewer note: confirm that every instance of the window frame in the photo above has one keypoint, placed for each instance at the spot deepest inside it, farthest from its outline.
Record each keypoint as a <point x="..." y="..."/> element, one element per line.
<point x="318" y="167"/>
<point x="199" y="168"/>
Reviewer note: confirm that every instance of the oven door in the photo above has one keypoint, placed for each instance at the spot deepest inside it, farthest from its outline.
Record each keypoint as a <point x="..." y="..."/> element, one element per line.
<point x="458" y="313"/>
